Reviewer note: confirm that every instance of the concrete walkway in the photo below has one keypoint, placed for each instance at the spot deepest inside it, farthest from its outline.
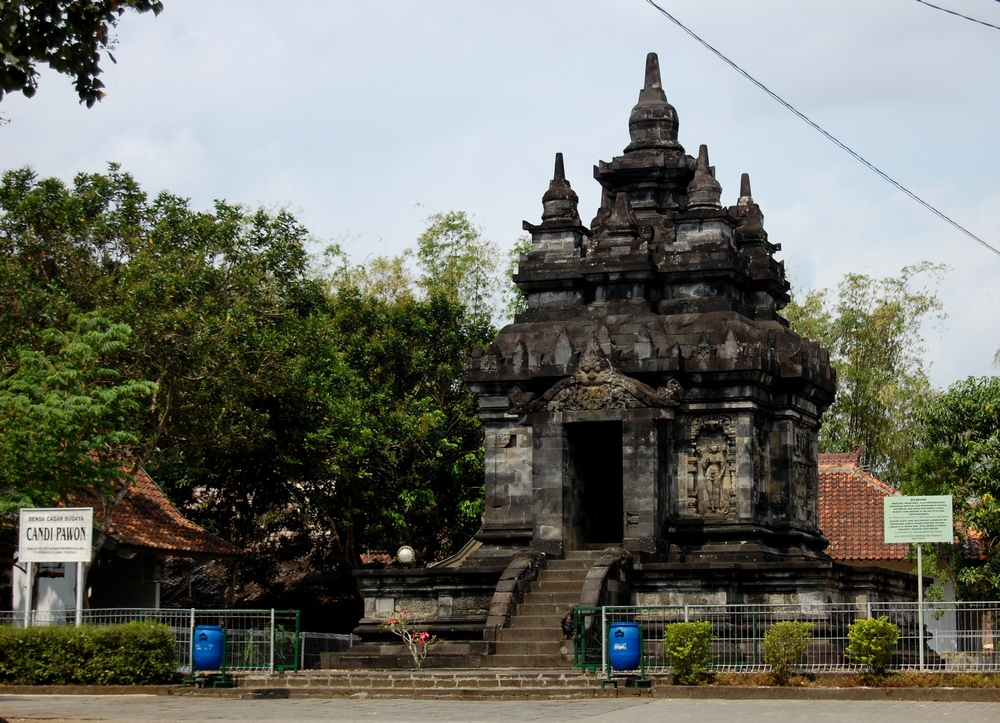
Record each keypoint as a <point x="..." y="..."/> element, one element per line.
<point x="189" y="709"/>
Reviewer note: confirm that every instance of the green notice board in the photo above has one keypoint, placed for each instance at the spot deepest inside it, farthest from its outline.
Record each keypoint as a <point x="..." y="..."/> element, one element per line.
<point x="918" y="519"/>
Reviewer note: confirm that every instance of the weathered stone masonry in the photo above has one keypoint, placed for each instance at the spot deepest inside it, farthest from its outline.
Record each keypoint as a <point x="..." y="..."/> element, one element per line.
<point x="653" y="335"/>
<point x="652" y="398"/>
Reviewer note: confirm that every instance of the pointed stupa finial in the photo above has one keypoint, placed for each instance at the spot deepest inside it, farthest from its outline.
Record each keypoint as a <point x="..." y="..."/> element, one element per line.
<point x="559" y="204"/>
<point x="560" y="172"/>
<point x="603" y="211"/>
<point x="653" y="122"/>
<point x="752" y="228"/>
<point x="622" y="218"/>
<point x="704" y="191"/>
<point x="746" y="195"/>
<point x="652" y="72"/>
<point x="618" y="225"/>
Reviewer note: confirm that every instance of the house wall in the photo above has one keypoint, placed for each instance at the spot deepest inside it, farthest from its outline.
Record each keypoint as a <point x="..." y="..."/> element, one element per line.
<point x="120" y="586"/>
<point x="51" y="595"/>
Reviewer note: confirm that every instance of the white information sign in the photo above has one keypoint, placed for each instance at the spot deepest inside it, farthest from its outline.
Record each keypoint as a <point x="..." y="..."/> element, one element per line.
<point x="56" y="534"/>
<point x="919" y="519"/>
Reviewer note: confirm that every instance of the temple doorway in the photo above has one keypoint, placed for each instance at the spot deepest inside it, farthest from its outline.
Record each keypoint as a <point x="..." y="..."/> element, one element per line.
<point x="595" y="450"/>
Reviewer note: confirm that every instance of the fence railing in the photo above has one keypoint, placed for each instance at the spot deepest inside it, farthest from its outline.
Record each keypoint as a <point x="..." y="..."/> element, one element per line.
<point x="956" y="636"/>
<point x="255" y="639"/>
<point x="317" y="650"/>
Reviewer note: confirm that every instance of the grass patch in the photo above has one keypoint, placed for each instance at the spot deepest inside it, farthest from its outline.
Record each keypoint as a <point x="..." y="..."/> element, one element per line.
<point x="901" y="679"/>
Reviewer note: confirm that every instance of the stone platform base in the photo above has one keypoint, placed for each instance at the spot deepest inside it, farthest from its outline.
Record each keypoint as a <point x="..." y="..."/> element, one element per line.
<point x="438" y="684"/>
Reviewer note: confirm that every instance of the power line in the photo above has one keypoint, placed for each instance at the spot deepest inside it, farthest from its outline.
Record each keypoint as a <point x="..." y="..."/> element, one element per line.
<point x="959" y="15"/>
<point x="868" y="164"/>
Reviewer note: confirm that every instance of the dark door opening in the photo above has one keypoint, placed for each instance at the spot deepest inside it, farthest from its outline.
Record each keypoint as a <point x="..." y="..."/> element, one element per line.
<point x="596" y="454"/>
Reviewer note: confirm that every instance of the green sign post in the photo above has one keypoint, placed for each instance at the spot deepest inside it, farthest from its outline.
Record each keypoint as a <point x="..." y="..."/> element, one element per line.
<point x="915" y="520"/>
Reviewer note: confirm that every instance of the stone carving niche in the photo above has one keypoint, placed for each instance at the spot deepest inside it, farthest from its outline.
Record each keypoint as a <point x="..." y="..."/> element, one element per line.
<point x="712" y="467"/>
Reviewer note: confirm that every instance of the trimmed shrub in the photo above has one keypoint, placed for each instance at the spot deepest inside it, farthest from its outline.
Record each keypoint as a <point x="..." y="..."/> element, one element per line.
<point x="872" y="643"/>
<point x="689" y="646"/>
<point x="784" y="645"/>
<point x="139" y="653"/>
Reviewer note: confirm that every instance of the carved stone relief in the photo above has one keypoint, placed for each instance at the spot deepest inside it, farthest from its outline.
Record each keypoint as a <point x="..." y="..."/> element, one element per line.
<point x="801" y="508"/>
<point x="803" y="476"/>
<point x="712" y="466"/>
<point x="596" y="385"/>
<point x="761" y="469"/>
<point x="490" y="362"/>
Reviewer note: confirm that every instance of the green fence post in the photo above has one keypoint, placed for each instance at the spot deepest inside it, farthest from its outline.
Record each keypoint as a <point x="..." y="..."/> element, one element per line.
<point x="298" y="614"/>
<point x="756" y="644"/>
<point x="191" y="646"/>
<point x="271" y="665"/>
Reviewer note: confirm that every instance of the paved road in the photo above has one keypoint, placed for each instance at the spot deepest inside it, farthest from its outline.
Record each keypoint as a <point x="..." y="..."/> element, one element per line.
<point x="175" y="709"/>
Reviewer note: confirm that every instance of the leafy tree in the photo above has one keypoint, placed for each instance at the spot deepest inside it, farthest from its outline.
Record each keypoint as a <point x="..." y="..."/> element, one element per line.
<point x="62" y="248"/>
<point x="220" y="305"/>
<point x="304" y="419"/>
<point x="414" y="473"/>
<point x="515" y="300"/>
<point x="958" y="453"/>
<point x="458" y="262"/>
<point x="66" y="35"/>
<point x="451" y="258"/>
<point x="65" y="421"/>
<point x="64" y="416"/>
<point x="872" y="328"/>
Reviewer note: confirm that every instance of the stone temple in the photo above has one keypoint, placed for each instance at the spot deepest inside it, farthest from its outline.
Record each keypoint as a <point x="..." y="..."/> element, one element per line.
<point x="650" y="403"/>
<point x="651" y="396"/>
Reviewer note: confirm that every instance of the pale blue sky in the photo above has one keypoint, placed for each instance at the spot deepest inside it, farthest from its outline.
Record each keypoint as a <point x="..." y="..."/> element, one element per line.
<point x="365" y="117"/>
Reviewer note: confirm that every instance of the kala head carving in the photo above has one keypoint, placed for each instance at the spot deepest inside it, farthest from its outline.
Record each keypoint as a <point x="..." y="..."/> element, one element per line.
<point x="594" y="367"/>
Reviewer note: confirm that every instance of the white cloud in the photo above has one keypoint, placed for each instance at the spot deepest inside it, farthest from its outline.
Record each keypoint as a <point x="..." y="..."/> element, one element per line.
<point x="352" y="112"/>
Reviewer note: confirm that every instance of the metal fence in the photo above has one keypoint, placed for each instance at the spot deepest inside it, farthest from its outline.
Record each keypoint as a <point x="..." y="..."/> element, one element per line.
<point x="318" y="650"/>
<point x="255" y="639"/>
<point x="956" y="636"/>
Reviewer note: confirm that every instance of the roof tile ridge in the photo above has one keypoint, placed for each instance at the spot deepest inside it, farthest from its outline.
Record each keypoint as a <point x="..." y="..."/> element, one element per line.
<point x="838" y="466"/>
<point x="878" y="484"/>
<point x="173" y="508"/>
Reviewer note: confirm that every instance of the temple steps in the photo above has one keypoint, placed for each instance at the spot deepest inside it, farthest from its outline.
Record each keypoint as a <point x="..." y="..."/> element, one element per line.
<point x="561" y="597"/>
<point x="531" y="635"/>
<point x="535" y="638"/>
<point x="564" y="575"/>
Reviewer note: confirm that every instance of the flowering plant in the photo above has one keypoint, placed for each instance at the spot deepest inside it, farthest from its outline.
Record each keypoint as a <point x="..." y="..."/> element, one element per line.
<point x="418" y="643"/>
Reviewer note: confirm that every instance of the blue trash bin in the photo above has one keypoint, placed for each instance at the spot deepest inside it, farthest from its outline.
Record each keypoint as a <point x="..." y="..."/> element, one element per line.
<point x="624" y="646"/>
<point x="209" y="641"/>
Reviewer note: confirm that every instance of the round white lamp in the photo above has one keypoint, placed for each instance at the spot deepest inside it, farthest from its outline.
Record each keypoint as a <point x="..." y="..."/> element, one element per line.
<point x="405" y="554"/>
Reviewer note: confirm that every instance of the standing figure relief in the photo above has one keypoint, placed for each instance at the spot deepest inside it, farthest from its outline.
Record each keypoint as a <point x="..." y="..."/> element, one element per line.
<point x="710" y="467"/>
<point x="716" y="481"/>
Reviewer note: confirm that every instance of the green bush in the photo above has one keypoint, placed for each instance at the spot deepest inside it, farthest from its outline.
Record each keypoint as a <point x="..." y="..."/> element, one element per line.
<point x="689" y="646"/>
<point x="139" y="653"/>
<point x="784" y="645"/>
<point x="872" y="643"/>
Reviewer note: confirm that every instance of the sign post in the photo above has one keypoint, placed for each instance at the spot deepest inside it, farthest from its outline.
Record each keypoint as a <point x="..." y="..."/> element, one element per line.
<point x="56" y="534"/>
<point x="915" y="520"/>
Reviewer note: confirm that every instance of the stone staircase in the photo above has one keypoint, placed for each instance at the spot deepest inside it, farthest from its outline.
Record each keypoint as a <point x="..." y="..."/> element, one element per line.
<point x="534" y="638"/>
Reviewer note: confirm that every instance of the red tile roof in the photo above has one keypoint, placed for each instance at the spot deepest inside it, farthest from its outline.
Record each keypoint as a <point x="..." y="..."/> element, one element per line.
<point x="851" y="510"/>
<point x="145" y="518"/>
